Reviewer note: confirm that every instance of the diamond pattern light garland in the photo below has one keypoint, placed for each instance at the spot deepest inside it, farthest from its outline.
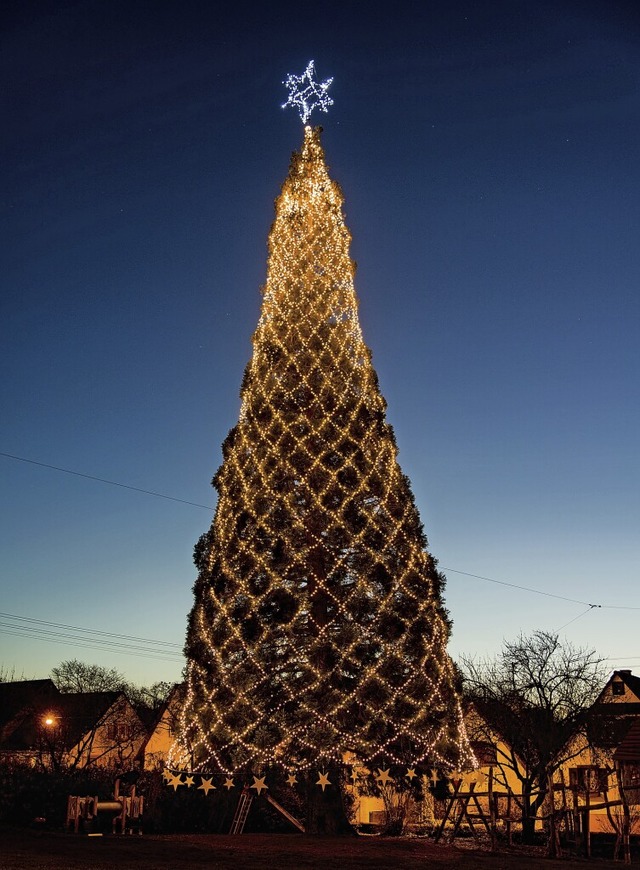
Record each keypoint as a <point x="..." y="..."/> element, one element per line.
<point x="318" y="627"/>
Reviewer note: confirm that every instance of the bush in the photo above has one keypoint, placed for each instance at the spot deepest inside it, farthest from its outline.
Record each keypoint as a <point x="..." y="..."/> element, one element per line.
<point x="27" y="794"/>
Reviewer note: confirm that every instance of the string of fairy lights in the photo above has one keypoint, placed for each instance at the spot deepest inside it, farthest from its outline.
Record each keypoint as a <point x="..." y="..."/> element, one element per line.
<point x="359" y="665"/>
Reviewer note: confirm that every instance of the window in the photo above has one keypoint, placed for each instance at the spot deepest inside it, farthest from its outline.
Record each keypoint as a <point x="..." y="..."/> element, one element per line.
<point x="617" y="687"/>
<point x="630" y="776"/>
<point x="118" y="731"/>
<point x="486" y="753"/>
<point x="588" y="779"/>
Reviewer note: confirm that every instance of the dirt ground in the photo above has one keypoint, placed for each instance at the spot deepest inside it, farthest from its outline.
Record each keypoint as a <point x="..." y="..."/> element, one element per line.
<point x="29" y="850"/>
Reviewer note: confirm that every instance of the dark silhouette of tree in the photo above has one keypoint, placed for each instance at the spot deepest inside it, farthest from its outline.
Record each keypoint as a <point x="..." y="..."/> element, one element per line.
<point x="535" y="695"/>
<point x="76" y="676"/>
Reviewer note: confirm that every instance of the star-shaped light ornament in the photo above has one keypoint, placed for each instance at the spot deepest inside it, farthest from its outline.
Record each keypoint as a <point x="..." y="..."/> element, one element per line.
<point x="175" y="781"/>
<point x="205" y="785"/>
<point x="228" y="783"/>
<point x="189" y="781"/>
<point x="323" y="780"/>
<point x="167" y="775"/>
<point x="411" y="774"/>
<point x="383" y="776"/>
<point x="305" y="94"/>
<point x="291" y="779"/>
<point x="259" y="784"/>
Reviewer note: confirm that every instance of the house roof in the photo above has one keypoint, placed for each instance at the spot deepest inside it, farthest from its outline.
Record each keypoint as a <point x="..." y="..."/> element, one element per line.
<point x="80" y="711"/>
<point x="73" y="713"/>
<point x="21" y="694"/>
<point x="630" y="681"/>
<point x="21" y="702"/>
<point x="172" y="701"/>
<point x="487" y="728"/>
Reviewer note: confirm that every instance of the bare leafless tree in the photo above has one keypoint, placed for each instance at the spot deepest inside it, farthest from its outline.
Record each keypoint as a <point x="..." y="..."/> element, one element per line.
<point x="77" y="676"/>
<point x="535" y="695"/>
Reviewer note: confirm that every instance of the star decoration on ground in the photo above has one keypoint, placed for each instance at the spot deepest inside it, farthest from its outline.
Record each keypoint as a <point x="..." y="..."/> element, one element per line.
<point x="259" y="784"/>
<point x="323" y="781"/>
<point x="383" y="776"/>
<point x="291" y="779"/>
<point x="188" y="781"/>
<point x="306" y="94"/>
<point x="206" y="785"/>
<point x="228" y="783"/>
<point x="175" y="781"/>
<point x="411" y="774"/>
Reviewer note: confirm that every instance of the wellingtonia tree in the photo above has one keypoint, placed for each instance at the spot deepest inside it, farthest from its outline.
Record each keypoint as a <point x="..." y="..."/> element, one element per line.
<point x="318" y="628"/>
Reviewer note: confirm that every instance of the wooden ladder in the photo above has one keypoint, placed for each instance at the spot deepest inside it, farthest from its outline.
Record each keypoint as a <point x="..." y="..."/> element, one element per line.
<point x="242" y="811"/>
<point x="285" y="813"/>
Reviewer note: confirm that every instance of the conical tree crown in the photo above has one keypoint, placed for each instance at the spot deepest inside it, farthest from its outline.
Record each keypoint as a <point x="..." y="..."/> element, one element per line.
<point x="318" y="627"/>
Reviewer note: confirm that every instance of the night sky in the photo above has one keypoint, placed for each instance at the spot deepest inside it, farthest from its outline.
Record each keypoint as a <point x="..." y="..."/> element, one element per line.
<point x="488" y="153"/>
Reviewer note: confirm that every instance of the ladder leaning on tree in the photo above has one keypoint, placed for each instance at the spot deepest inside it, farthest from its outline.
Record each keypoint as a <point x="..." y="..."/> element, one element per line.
<point x="244" y="805"/>
<point x="242" y="811"/>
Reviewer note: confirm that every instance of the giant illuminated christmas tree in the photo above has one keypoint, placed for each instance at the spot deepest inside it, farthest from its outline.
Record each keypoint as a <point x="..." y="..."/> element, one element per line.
<point x="318" y="630"/>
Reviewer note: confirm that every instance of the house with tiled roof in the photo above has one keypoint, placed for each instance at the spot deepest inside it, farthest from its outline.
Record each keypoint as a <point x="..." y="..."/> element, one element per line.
<point x="22" y="704"/>
<point x="164" y="730"/>
<point x="607" y="758"/>
<point x="44" y="727"/>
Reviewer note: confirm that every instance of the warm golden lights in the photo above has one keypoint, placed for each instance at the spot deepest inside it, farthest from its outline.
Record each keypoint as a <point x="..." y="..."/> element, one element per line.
<point x="318" y="627"/>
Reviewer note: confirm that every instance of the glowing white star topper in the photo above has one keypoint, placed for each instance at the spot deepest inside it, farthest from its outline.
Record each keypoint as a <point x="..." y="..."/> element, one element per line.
<point x="306" y="94"/>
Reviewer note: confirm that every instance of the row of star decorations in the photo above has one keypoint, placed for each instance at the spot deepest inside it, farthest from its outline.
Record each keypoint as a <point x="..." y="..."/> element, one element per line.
<point x="175" y="780"/>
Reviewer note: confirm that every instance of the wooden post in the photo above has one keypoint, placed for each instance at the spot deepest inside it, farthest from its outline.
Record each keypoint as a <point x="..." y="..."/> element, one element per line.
<point x="626" y="817"/>
<point x="449" y="806"/>
<point x="564" y="816"/>
<point x="492" y="811"/>
<point x="577" y="819"/>
<point x="553" y="846"/>
<point x="587" y="821"/>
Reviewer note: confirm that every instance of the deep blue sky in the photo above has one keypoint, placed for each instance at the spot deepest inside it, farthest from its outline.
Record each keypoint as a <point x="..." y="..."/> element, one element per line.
<point x="488" y="153"/>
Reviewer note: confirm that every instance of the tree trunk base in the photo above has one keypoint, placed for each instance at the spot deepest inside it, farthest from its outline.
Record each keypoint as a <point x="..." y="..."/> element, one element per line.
<point x="326" y="814"/>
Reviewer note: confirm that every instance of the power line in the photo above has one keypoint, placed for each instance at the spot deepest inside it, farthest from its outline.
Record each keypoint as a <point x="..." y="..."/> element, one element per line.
<point x="80" y="645"/>
<point x="46" y="634"/>
<point x="104" y="480"/>
<point x="90" y="630"/>
<point x="541" y="592"/>
<point x="620" y="658"/>
<point x="524" y="588"/>
<point x="87" y="638"/>
<point x="584" y="613"/>
<point x="588" y="604"/>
